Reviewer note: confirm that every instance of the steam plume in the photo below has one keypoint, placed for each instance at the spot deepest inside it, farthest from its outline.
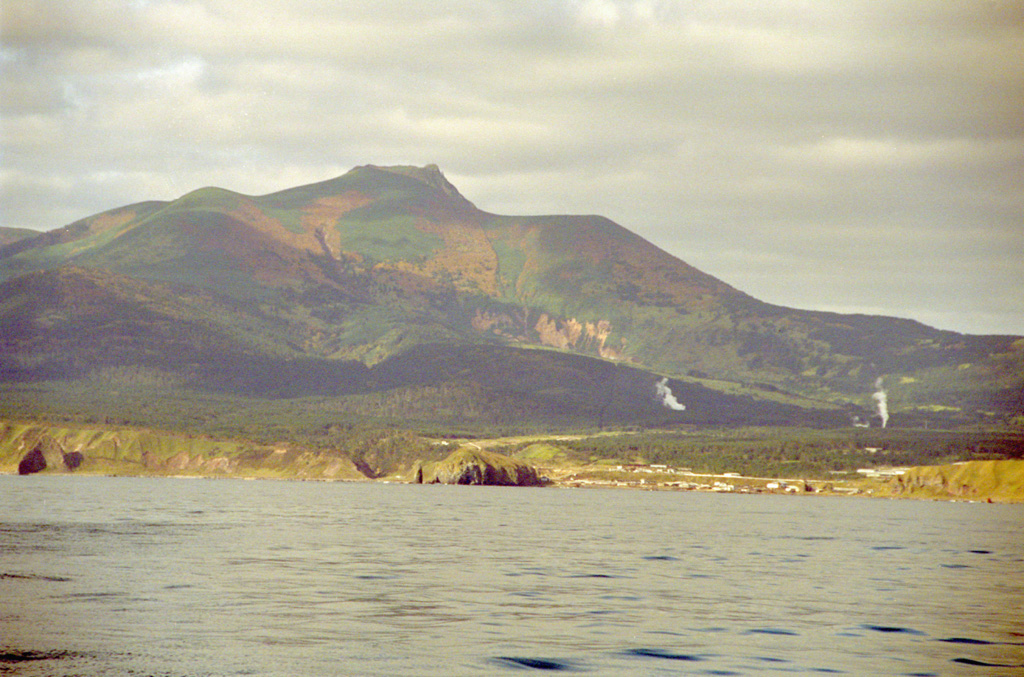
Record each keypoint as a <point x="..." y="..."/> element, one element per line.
<point x="665" y="395"/>
<point x="881" y="401"/>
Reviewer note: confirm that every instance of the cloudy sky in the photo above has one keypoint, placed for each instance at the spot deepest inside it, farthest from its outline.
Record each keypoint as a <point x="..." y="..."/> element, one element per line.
<point x="855" y="156"/>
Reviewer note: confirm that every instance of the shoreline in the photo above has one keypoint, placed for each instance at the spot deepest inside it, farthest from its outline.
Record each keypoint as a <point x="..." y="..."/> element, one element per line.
<point x="392" y="457"/>
<point x="862" y="488"/>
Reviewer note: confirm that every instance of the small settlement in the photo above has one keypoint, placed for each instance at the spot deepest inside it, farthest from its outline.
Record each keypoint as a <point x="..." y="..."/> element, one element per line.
<point x="663" y="477"/>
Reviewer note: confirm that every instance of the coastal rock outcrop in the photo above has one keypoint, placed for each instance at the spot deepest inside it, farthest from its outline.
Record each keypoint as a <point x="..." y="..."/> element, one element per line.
<point x="48" y="453"/>
<point x="33" y="462"/>
<point x="73" y="459"/>
<point x="470" y="466"/>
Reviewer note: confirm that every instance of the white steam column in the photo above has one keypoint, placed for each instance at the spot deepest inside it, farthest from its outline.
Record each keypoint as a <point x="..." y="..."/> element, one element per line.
<point x="664" y="394"/>
<point x="881" y="401"/>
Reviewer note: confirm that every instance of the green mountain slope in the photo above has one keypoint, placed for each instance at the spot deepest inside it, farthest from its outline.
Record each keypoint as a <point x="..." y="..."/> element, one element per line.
<point x="11" y="235"/>
<point x="364" y="270"/>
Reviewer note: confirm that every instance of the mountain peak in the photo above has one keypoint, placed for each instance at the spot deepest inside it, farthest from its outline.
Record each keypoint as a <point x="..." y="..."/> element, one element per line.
<point x="429" y="174"/>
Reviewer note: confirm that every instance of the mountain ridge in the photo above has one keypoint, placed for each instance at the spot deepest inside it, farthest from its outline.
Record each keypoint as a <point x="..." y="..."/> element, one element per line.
<point x="368" y="265"/>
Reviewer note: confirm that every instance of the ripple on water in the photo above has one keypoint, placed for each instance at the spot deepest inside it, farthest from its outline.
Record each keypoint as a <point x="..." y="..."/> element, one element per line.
<point x="661" y="653"/>
<point x="770" y="631"/>
<point x="966" y="640"/>
<point x="769" y="659"/>
<point x="985" y="664"/>
<point x="34" y="577"/>
<point x="11" y="657"/>
<point x="892" y="629"/>
<point x="526" y="663"/>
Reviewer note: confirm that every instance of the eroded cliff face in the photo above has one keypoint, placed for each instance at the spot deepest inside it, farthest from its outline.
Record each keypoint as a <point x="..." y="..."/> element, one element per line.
<point x="585" y="337"/>
<point x="28" y="448"/>
<point x="497" y="323"/>
<point x="995" y="480"/>
<point x="590" y="338"/>
<point x="468" y="466"/>
<point x="48" y="454"/>
<point x="183" y="462"/>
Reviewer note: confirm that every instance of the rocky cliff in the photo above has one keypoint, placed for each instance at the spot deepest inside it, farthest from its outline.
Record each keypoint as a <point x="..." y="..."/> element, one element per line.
<point x="994" y="481"/>
<point x="473" y="466"/>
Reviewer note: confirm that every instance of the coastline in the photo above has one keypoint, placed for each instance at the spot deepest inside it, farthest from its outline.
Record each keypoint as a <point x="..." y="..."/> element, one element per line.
<point x="908" y="487"/>
<point x="970" y="481"/>
<point x="103" y="450"/>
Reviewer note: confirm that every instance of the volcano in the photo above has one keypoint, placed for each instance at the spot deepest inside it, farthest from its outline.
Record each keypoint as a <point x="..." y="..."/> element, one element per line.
<point x="388" y="280"/>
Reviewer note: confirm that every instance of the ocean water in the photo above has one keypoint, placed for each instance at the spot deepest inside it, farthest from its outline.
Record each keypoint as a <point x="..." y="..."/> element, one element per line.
<point x="118" y="576"/>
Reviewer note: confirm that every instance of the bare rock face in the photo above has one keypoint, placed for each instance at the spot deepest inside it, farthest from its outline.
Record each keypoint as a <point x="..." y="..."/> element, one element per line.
<point x="73" y="459"/>
<point x="33" y="462"/>
<point x="467" y="466"/>
<point x="48" y="454"/>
